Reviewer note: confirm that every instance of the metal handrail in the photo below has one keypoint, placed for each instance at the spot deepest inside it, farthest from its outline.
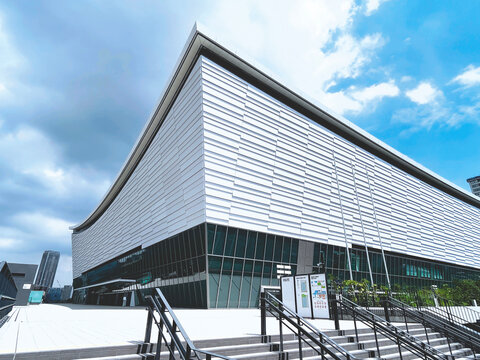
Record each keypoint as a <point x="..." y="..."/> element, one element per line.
<point x="457" y="332"/>
<point x="468" y="315"/>
<point x="401" y="337"/>
<point x="159" y="304"/>
<point x="6" y="306"/>
<point x="317" y="340"/>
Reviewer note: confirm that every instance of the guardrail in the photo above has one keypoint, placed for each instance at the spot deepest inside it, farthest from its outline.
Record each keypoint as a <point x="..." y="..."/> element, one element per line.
<point x="453" y="331"/>
<point x="307" y="334"/>
<point x="170" y="332"/>
<point x="383" y="327"/>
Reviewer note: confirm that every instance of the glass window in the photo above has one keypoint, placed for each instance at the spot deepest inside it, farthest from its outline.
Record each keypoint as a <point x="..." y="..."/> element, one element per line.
<point x="231" y="240"/>
<point x="254" y="296"/>
<point x="278" y="248"/>
<point x="213" y="281"/>
<point x="224" y="290"/>
<point x="214" y="264"/>
<point x="269" y="247"/>
<point x="227" y="265"/>
<point x="286" y="250"/>
<point x="241" y="243"/>
<point x="238" y="266"/>
<point x="245" y="291"/>
<point x="248" y="269"/>
<point x="260" y="250"/>
<point x="294" y="253"/>
<point x="251" y="243"/>
<point x="219" y="240"/>
<point x="235" y="291"/>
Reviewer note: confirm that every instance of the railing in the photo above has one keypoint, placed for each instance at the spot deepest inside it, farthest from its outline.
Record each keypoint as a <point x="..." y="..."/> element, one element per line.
<point x="170" y="333"/>
<point x="383" y="327"/>
<point x="307" y="334"/>
<point x="458" y="313"/>
<point x="6" y="305"/>
<point x="453" y="331"/>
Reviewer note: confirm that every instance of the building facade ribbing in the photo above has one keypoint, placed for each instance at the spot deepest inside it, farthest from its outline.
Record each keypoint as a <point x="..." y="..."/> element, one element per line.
<point x="244" y="182"/>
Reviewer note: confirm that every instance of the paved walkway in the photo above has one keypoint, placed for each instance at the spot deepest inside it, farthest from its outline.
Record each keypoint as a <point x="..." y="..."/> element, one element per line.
<point x="54" y="327"/>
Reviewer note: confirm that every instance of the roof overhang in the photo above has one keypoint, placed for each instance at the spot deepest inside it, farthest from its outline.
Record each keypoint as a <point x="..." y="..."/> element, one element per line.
<point x="199" y="43"/>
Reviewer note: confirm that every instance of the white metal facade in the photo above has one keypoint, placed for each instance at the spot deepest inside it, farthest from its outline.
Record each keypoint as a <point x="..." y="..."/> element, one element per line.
<point x="229" y="154"/>
<point x="163" y="196"/>
<point x="270" y="169"/>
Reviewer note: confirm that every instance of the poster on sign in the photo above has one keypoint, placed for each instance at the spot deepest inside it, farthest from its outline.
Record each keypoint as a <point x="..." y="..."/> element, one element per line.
<point x="318" y="288"/>
<point x="302" y="293"/>
<point x="288" y="292"/>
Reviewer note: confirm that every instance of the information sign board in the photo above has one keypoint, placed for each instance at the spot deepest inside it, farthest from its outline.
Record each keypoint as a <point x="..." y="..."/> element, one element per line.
<point x="302" y="293"/>
<point x="288" y="292"/>
<point x="318" y="287"/>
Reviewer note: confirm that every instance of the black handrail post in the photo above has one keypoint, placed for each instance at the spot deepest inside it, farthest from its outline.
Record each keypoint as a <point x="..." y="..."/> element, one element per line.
<point x="263" y="318"/>
<point x="174" y="330"/>
<point x="300" y="351"/>
<point x="159" y="340"/>
<point x="335" y="314"/>
<point x="405" y="318"/>
<point x="399" y="347"/>
<point x="148" y="330"/>
<point x="426" y="332"/>
<point x="449" y="346"/>
<point x="355" y="324"/>
<point x="281" y="327"/>
<point x="322" y="351"/>
<point x="376" y="338"/>
<point x="385" y="309"/>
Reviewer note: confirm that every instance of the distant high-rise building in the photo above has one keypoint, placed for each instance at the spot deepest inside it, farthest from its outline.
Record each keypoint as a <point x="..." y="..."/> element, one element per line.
<point x="48" y="268"/>
<point x="475" y="185"/>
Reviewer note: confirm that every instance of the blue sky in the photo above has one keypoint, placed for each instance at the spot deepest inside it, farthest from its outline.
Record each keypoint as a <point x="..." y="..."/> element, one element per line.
<point x="78" y="81"/>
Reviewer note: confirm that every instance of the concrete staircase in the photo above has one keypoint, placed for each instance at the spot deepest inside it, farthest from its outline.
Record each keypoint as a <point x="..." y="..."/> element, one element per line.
<point x="251" y="348"/>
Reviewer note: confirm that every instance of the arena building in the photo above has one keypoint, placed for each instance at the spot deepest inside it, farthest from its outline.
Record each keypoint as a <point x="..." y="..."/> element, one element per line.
<point x="237" y="179"/>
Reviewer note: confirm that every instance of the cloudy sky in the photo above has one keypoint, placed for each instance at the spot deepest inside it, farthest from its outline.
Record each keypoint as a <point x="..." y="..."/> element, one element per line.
<point x="78" y="81"/>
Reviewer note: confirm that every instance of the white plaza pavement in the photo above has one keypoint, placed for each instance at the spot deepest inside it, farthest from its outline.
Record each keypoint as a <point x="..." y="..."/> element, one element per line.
<point x="66" y="326"/>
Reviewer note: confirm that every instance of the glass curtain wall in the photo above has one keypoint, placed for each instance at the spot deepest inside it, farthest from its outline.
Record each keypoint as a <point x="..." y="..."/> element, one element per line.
<point x="405" y="271"/>
<point x="240" y="261"/>
<point x="176" y="265"/>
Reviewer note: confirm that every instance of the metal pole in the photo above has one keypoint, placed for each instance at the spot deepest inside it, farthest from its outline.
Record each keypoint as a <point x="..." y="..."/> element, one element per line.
<point x="300" y="351"/>
<point x="263" y="318"/>
<point x="343" y="218"/>
<point x="378" y="230"/>
<point x="148" y="330"/>
<point x="385" y="309"/>
<point x="361" y="223"/>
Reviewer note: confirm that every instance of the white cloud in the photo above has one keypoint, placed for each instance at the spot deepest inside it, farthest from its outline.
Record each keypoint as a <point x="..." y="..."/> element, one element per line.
<point x="29" y="152"/>
<point x="376" y="92"/>
<point x="7" y="243"/>
<point x="469" y="77"/>
<point x="406" y="78"/>
<point x="41" y="225"/>
<point x="357" y="100"/>
<point x="310" y="43"/>
<point x="372" y="5"/>
<point x="10" y="61"/>
<point x="424" y="93"/>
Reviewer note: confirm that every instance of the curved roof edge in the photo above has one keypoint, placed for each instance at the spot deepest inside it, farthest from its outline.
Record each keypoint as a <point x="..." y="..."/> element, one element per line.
<point x="200" y="43"/>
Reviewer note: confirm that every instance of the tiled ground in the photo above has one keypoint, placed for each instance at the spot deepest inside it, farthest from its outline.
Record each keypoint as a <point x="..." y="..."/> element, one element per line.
<point x="54" y="327"/>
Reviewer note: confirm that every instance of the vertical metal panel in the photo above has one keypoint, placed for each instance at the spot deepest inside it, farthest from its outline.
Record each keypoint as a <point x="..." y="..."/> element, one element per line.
<point x="270" y="169"/>
<point x="163" y="196"/>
